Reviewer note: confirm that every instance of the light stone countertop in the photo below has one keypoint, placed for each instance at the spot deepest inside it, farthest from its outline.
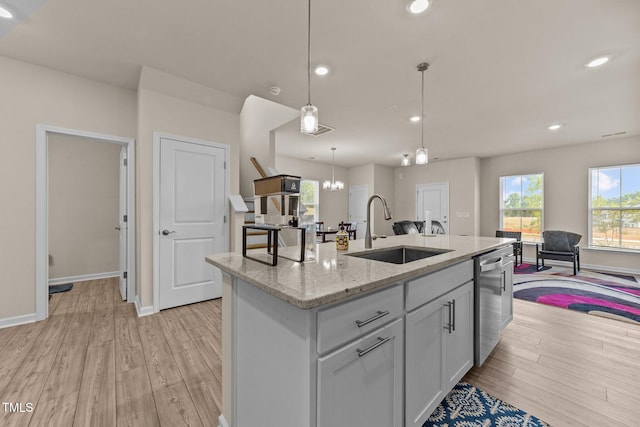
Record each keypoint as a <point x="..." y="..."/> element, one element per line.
<point x="333" y="276"/>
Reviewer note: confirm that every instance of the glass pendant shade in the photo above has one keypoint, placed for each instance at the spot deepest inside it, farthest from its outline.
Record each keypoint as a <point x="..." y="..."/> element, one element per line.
<point x="422" y="156"/>
<point x="308" y="119"/>
<point x="405" y="160"/>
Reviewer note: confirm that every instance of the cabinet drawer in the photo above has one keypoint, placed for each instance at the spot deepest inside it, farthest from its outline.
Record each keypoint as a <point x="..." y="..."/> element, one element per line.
<point x="426" y="288"/>
<point x="344" y="322"/>
<point x="360" y="384"/>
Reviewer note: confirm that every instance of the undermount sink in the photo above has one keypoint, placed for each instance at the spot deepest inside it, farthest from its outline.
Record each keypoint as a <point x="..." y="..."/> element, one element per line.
<point x="399" y="254"/>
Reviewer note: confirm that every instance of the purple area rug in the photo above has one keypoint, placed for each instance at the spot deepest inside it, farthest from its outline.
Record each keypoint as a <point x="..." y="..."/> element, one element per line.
<point x="582" y="293"/>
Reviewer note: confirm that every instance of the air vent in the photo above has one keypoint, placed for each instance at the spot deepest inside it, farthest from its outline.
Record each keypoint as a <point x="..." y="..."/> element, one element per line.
<point x="613" y="134"/>
<point x="322" y="129"/>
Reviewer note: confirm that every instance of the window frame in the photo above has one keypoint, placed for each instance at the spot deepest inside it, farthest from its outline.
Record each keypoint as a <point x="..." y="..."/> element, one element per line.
<point x="620" y="209"/>
<point x="501" y="209"/>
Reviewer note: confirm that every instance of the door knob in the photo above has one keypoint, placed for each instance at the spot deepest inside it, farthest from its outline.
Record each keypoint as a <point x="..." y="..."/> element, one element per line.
<point x="167" y="232"/>
<point x="118" y="228"/>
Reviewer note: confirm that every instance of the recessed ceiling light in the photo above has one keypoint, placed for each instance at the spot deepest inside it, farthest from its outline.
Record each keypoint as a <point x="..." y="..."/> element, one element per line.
<point x="4" y="13"/>
<point x="597" y="62"/>
<point x="415" y="119"/>
<point x="418" y="6"/>
<point x="322" y="70"/>
<point x="554" y="127"/>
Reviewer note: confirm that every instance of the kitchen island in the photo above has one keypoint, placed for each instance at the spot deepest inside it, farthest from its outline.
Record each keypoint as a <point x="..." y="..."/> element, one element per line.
<point x="345" y="340"/>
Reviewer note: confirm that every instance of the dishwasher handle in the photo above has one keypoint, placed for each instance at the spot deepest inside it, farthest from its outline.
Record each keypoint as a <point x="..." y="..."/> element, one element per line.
<point x="489" y="266"/>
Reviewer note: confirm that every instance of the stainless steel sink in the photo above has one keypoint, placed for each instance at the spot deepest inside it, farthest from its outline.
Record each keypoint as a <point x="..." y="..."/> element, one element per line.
<point x="399" y="254"/>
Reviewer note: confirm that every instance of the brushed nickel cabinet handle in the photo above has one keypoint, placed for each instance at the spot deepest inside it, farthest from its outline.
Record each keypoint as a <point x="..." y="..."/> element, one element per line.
<point x="372" y="346"/>
<point x="449" y="326"/>
<point x="379" y="314"/>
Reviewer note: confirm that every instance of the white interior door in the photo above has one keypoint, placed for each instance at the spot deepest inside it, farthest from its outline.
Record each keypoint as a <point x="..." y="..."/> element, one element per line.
<point x="434" y="198"/>
<point x="192" y="221"/>
<point x="358" y="196"/>
<point x="123" y="226"/>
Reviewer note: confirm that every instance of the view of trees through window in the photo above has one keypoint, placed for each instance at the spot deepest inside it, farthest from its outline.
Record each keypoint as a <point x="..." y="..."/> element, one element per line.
<point x="615" y="207"/>
<point x="309" y="197"/>
<point x="521" y="205"/>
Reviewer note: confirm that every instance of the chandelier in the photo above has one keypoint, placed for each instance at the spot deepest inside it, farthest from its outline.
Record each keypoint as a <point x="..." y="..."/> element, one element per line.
<point x="333" y="185"/>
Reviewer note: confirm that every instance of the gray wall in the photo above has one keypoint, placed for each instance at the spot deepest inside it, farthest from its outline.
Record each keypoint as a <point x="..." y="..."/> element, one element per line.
<point x="566" y="186"/>
<point x="83" y="206"/>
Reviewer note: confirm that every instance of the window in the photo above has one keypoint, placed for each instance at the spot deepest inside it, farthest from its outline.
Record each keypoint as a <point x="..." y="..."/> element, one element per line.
<point x="309" y="197"/>
<point x="521" y="205"/>
<point x="614" y="207"/>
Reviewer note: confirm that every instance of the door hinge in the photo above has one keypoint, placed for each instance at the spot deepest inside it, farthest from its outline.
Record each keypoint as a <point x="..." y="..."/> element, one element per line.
<point x="125" y="162"/>
<point x="225" y="219"/>
<point x="225" y="164"/>
<point x="125" y="218"/>
<point x="124" y="275"/>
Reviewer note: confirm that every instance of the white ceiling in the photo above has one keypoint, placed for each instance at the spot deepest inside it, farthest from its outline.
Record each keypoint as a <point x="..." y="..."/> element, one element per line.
<point x="501" y="70"/>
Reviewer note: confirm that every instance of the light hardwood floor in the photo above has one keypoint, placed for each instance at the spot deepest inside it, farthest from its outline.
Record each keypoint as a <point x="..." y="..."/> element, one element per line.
<point x="95" y="363"/>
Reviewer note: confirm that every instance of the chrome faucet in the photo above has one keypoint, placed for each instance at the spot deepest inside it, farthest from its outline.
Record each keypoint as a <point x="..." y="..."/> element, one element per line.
<point x="368" y="243"/>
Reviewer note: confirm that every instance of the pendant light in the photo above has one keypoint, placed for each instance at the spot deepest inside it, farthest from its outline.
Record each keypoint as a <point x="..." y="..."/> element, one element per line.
<point x="333" y="185"/>
<point x="422" y="154"/>
<point x="309" y="113"/>
<point x="405" y="160"/>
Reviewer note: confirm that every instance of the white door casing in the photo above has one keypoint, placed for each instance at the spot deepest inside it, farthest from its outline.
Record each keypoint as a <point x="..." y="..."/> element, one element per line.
<point x="123" y="224"/>
<point x="191" y="213"/>
<point x="434" y="198"/>
<point x="358" y="196"/>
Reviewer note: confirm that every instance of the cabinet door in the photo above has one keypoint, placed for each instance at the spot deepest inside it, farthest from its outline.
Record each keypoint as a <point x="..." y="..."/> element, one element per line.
<point x="424" y="361"/>
<point x="507" y="294"/>
<point x="361" y="384"/>
<point x="458" y="340"/>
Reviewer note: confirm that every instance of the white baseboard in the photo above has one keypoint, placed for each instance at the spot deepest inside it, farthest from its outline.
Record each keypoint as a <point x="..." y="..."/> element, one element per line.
<point x="603" y="268"/>
<point x="83" y="278"/>
<point x="143" y="311"/>
<point x="17" y="320"/>
<point x="222" y="422"/>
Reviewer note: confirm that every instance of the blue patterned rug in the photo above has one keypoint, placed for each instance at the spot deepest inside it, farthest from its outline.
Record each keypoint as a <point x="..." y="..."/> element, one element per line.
<point x="467" y="406"/>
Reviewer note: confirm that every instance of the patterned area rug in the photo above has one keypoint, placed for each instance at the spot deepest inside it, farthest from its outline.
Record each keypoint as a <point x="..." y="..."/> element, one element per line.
<point x="467" y="406"/>
<point x="601" y="294"/>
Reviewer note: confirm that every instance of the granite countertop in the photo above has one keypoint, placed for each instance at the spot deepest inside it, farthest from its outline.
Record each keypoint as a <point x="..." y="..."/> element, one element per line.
<point x="333" y="275"/>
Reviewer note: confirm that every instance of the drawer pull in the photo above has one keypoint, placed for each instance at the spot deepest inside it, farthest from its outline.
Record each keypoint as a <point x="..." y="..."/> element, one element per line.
<point x="372" y="346"/>
<point x="379" y="314"/>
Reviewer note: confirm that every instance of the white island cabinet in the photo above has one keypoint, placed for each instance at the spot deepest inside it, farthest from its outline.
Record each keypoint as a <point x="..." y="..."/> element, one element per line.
<point x="347" y="341"/>
<point x="439" y="338"/>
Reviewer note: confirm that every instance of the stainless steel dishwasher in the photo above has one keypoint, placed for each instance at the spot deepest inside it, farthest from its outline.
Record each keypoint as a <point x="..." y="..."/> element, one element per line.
<point x="488" y="300"/>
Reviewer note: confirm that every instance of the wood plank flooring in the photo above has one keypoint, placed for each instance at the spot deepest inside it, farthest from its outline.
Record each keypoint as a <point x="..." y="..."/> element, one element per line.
<point x="566" y="367"/>
<point x="95" y="363"/>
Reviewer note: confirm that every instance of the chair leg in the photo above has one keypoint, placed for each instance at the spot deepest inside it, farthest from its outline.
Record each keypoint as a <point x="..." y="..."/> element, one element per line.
<point x="574" y="266"/>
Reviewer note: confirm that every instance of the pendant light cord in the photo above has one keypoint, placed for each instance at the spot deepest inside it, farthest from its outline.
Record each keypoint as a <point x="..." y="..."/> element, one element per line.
<point x="309" y="55"/>
<point x="333" y="166"/>
<point x="422" y="113"/>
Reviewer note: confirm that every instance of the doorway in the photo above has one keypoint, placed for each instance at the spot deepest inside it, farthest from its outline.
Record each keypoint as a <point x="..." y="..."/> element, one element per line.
<point x="126" y="201"/>
<point x="434" y="198"/>
<point x="358" y="196"/>
<point x="190" y="219"/>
